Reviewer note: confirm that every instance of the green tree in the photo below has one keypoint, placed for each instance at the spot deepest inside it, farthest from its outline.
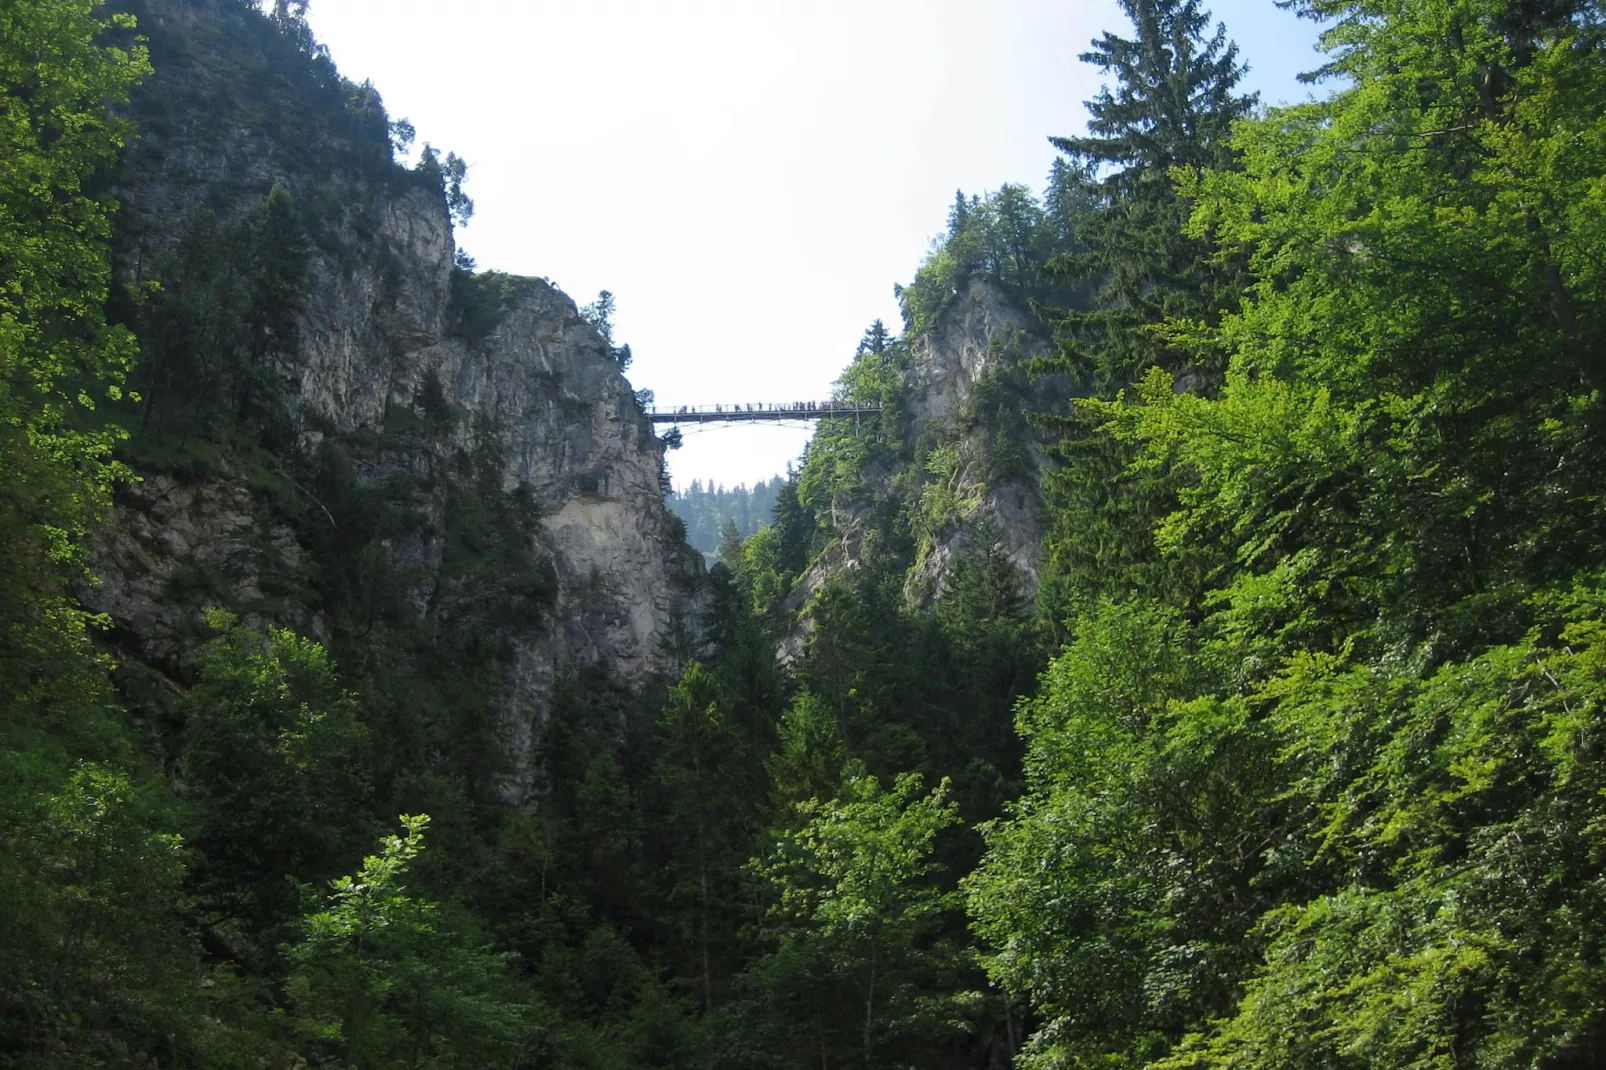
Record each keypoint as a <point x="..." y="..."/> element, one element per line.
<point x="994" y="656"/>
<point x="220" y="339"/>
<point x="1015" y="235"/>
<point x="450" y="174"/>
<point x="99" y="963"/>
<point x="795" y="531"/>
<point x="730" y="544"/>
<point x="877" y="339"/>
<point x="1121" y="895"/>
<point x="868" y="664"/>
<point x="379" y="979"/>
<point x="1171" y="105"/>
<point x="1071" y="195"/>
<point x="1004" y="234"/>
<point x="274" y="770"/>
<point x="59" y="359"/>
<point x="1395" y="543"/>
<point x="96" y="966"/>
<point x="711" y="782"/>
<point x="264" y="380"/>
<point x="809" y="761"/>
<point x="1456" y="826"/>
<point x="1393" y="451"/>
<point x="855" y="972"/>
<point x="959" y="214"/>
<point x="599" y="314"/>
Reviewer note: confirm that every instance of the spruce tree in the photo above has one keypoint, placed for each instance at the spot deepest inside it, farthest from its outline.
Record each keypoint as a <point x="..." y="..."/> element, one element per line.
<point x="958" y="214"/>
<point x="1169" y="108"/>
<point x="795" y="528"/>
<point x="1172" y="106"/>
<point x="1068" y="199"/>
<point x="877" y="339"/>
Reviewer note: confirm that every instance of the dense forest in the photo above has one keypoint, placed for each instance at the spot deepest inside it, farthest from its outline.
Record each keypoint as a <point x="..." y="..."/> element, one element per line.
<point x="1286" y="750"/>
<point x="714" y="513"/>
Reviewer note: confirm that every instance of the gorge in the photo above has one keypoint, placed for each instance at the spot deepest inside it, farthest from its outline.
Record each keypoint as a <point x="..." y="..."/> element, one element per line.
<point x="1179" y="645"/>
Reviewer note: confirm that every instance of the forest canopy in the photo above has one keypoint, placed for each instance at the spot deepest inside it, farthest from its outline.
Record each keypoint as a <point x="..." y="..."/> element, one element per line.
<point x="1283" y="748"/>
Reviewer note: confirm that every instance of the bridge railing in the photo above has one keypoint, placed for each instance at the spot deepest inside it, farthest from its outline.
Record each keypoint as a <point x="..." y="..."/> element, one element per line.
<point x="789" y="410"/>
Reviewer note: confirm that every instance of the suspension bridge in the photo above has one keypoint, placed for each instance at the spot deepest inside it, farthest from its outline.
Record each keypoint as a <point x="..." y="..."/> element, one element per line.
<point x="754" y="411"/>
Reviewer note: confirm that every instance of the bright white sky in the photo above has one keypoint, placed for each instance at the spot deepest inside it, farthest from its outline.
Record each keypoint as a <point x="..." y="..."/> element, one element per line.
<point x="749" y="177"/>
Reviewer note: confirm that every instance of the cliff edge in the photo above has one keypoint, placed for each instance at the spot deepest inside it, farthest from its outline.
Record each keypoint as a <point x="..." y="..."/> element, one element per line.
<point x="344" y="429"/>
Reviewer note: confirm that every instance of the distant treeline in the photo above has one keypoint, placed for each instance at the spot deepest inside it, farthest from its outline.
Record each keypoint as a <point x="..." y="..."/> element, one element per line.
<point x="707" y="509"/>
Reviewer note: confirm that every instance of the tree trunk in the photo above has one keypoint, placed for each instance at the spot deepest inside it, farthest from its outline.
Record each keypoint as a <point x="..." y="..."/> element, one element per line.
<point x="869" y="1006"/>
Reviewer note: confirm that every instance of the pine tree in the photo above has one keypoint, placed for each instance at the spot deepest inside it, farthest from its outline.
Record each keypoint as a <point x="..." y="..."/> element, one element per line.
<point x="795" y="528"/>
<point x="599" y="314"/>
<point x="730" y="544"/>
<point x="1015" y="220"/>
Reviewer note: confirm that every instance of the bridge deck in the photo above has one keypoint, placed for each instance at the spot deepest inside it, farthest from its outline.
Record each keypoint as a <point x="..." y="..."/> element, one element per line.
<point x="742" y="413"/>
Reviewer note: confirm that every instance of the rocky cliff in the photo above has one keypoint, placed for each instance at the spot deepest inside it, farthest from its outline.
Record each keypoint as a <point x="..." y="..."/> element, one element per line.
<point x="965" y="470"/>
<point x="430" y="442"/>
<point x="967" y="386"/>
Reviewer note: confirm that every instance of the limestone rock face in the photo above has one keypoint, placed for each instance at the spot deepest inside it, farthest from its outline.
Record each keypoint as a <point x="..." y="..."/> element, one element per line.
<point x="967" y="340"/>
<point x="172" y="543"/>
<point x="965" y="382"/>
<point x="982" y="332"/>
<point x="378" y="324"/>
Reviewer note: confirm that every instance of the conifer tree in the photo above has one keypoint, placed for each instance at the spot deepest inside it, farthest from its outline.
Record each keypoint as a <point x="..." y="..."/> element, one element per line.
<point x="1171" y="107"/>
<point x="1069" y="197"/>
<point x="958" y="215"/>
<point x="794" y="528"/>
<point x="709" y="784"/>
<point x="877" y="339"/>
<point x="730" y="544"/>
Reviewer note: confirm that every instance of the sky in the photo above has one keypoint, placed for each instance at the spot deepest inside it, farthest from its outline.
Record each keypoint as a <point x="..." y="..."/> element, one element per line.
<point x="748" y="177"/>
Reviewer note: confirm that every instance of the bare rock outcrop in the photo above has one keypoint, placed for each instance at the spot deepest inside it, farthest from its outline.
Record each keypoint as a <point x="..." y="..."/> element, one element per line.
<point x="966" y="395"/>
<point x="531" y="388"/>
